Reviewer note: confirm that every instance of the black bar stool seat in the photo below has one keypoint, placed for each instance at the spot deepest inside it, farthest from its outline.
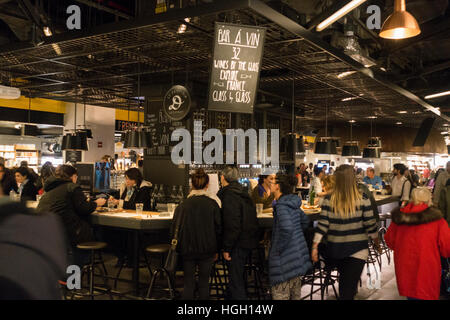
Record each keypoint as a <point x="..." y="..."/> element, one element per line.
<point x="92" y="245"/>
<point x="158" y="248"/>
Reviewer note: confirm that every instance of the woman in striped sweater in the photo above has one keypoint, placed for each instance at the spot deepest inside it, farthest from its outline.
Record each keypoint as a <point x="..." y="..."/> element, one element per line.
<point x="346" y="223"/>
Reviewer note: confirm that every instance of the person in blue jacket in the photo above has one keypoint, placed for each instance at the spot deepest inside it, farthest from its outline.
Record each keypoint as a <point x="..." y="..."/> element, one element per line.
<point x="372" y="179"/>
<point x="289" y="257"/>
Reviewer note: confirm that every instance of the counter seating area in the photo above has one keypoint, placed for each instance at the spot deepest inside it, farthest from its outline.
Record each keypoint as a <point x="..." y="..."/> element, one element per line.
<point x="144" y="277"/>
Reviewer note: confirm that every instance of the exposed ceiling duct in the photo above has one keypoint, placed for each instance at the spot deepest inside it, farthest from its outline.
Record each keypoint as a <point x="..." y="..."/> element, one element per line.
<point x="349" y="43"/>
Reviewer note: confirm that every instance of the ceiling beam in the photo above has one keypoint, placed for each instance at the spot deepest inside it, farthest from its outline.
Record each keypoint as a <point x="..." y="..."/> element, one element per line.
<point x="144" y="21"/>
<point x="425" y="71"/>
<point x="300" y="31"/>
<point x="105" y="9"/>
<point x="335" y="6"/>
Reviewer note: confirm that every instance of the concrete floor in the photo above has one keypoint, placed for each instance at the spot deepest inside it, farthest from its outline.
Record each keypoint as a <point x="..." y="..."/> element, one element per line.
<point x="387" y="291"/>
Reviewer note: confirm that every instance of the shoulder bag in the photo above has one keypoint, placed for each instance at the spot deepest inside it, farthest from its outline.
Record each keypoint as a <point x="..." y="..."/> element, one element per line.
<point x="172" y="257"/>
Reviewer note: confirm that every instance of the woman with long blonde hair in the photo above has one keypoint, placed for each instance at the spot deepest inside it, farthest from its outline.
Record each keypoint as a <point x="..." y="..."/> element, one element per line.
<point x="329" y="183"/>
<point x="346" y="223"/>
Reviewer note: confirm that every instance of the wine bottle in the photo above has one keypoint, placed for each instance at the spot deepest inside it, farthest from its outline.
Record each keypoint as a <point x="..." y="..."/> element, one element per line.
<point x="312" y="196"/>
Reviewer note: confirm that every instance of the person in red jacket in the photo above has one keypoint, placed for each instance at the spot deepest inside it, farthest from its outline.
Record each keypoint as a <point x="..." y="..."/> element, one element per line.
<point x="419" y="236"/>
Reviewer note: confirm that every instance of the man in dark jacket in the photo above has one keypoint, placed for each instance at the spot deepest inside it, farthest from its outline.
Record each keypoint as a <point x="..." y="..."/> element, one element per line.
<point x="32" y="253"/>
<point x="66" y="199"/>
<point x="240" y="229"/>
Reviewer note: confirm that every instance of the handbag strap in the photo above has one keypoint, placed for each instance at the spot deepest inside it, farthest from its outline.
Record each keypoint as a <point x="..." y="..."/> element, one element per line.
<point x="178" y="225"/>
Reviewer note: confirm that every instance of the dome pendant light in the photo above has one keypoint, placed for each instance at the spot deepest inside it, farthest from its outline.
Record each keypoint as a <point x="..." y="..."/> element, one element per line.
<point x="400" y="24"/>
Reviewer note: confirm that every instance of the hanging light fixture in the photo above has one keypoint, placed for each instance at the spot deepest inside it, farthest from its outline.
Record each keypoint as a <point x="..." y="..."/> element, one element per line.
<point x="138" y="138"/>
<point x="400" y="24"/>
<point x="373" y="149"/>
<point x="300" y="145"/>
<point x="351" y="148"/>
<point x="326" y="145"/>
<point x="77" y="140"/>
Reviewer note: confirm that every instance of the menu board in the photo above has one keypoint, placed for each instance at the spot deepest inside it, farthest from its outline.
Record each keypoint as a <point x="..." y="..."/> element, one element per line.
<point x="73" y="156"/>
<point x="86" y="174"/>
<point x="161" y="128"/>
<point x="235" y="68"/>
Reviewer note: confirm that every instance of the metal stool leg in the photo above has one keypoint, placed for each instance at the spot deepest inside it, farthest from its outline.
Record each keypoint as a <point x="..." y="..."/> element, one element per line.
<point x="91" y="275"/>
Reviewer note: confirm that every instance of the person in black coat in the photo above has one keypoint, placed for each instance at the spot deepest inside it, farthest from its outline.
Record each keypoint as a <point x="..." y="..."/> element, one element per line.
<point x="240" y="229"/>
<point x="134" y="190"/>
<point x="32" y="253"/>
<point x="7" y="181"/>
<point x="66" y="199"/>
<point x="199" y="235"/>
<point x="25" y="180"/>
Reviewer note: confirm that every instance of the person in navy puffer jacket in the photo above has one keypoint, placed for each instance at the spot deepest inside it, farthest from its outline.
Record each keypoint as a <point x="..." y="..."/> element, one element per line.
<point x="289" y="257"/>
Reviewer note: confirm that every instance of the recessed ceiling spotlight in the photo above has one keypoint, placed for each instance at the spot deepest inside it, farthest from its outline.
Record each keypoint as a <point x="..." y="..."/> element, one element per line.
<point x="372" y="117"/>
<point x="47" y="31"/>
<point x="352" y="121"/>
<point x="182" y="28"/>
<point x="402" y="112"/>
<point x="398" y="122"/>
<point x="383" y="69"/>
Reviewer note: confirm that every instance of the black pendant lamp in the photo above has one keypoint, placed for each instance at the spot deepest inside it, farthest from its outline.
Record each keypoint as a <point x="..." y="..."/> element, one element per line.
<point x="65" y="144"/>
<point x="76" y="140"/>
<point x="138" y="138"/>
<point x="81" y="139"/>
<point x="373" y="149"/>
<point x="351" y="148"/>
<point x="326" y="145"/>
<point x="300" y="145"/>
<point x="371" y="153"/>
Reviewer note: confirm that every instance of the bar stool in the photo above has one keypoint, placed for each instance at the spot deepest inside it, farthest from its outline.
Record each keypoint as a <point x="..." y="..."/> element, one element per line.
<point x="160" y="250"/>
<point x="320" y="276"/>
<point x="254" y="270"/>
<point x="218" y="280"/>
<point x="93" y="247"/>
<point x="381" y="232"/>
<point x="142" y="264"/>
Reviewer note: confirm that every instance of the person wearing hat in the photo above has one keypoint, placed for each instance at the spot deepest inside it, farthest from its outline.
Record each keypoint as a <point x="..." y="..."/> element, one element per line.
<point x="419" y="236"/>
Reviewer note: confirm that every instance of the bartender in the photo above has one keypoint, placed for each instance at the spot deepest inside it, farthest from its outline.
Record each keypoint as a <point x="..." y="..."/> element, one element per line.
<point x="372" y="179"/>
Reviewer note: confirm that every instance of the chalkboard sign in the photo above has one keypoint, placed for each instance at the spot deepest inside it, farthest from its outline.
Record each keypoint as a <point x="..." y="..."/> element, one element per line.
<point x="161" y="128"/>
<point x="73" y="156"/>
<point x="85" y="176"/>
<point x="235" y="67"/>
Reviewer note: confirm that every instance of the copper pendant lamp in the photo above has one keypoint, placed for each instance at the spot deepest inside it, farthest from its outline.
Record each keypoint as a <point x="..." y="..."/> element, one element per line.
<point x="400" y="24"/>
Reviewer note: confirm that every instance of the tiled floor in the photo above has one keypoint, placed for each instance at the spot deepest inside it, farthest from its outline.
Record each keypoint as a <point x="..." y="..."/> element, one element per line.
<point x="387" y="291"/>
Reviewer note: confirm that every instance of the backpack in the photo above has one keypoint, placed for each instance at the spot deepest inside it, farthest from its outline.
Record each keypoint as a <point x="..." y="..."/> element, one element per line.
<point x="410" y="190"/>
